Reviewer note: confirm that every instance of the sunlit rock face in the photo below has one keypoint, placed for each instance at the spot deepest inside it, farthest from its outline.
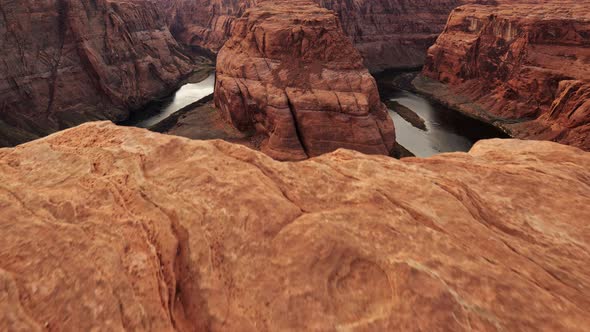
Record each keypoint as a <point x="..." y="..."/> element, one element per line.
<point x="525" y="67"/>
<point x="290" y="73"/>
<point x="69" y="61"/>
<point x="113" y="228"/>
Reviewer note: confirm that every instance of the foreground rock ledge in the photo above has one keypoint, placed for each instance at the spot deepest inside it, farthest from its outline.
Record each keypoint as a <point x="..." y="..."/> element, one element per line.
<point x="290" y="73"/>
<point x="110" y="227"/>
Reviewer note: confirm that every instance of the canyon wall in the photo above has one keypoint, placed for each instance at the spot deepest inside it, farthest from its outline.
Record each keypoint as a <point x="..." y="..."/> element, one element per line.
<point x="69" y="61"/>
<point x="114" y="228"/>
<point x="388" y="33"/>
<point x="392" y="33"/>
<point x="204" y="24"/>
<point x="525" y="68"/>
<point x="290" y="73"/>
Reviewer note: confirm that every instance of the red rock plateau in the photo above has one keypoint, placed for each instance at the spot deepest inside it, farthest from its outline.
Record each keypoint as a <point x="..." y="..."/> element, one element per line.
<point x="69" y="61"/>
<point x="291" y="73"/>
<point x="112" y="228"/>
<point x="525" y="68"/>
<point x="388" y="33"/>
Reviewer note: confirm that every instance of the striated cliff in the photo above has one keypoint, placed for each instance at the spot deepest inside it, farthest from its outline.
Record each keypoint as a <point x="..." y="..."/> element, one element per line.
<point x="291" y="74"/>
<point x="112" y="228"/>
<point x="388" y="33"/>
<point x="525" y="68"/>
<point x="69" y="61"/>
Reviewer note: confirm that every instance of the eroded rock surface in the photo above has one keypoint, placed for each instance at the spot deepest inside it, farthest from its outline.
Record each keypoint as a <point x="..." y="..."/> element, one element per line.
<point x="69" y="61"/>
<point x="525" y="68"/>
<point x="290" y="73"/>
<point x="110" y="227"/>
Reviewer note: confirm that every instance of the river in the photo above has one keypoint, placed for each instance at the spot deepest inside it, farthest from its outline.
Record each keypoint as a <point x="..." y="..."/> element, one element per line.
<point x="160" y="110"/>
<point x="446" y="130"/>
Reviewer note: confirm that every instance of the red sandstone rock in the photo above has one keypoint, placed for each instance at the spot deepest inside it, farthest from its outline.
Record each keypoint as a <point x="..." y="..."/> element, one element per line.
<point x="69" y="61"/>
<point x="113" y="228"/>
<point x="525" y="68"/>
<point x="290" y="73"/>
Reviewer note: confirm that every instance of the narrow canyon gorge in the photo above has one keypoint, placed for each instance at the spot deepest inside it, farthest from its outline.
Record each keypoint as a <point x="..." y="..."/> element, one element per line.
<point x="388" y="33"/>
<point x="250" y="165"/>
<point x="70" y="61"/>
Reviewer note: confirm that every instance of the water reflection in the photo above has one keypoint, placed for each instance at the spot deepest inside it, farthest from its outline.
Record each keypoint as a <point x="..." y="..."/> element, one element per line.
<point x="186" y="95"/>
<point x="447" y="130"/>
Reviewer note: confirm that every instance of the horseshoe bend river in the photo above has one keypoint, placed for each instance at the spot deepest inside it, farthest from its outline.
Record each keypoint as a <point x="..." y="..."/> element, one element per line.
<point x="446" y="130"/>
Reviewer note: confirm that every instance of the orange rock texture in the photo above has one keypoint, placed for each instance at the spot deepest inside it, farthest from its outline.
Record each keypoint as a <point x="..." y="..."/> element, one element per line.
<point x="290" y="73"/>
<point x="111" y="228"/>
<point x="65" y="62"/>
<point x="525" y="68"/>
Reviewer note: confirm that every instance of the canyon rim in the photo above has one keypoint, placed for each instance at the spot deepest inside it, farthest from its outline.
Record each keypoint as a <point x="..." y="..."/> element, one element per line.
<point x="274" y="186"/>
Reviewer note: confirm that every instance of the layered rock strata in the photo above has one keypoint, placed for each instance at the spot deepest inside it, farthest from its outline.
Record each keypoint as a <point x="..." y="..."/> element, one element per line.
<point x="393" y="33"/>
<point x="69" y="61"/>
<point x="113" y="228"/>
<point x="290" y="73"/>
<point x="204" y="24"/>
<point x="525" y="68"/>
<point x="388" y="33"/>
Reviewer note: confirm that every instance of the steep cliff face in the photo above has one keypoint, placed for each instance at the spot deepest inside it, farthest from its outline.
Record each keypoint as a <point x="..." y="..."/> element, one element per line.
<point x="392" y="33"/>
<point x="204" y="24"/>
<point x="388" y="33"/>
<point x="525" y="68"/>
<point x="117" y="228"/>
<point x="69" y="61"/>
<point x="290" y="73"/>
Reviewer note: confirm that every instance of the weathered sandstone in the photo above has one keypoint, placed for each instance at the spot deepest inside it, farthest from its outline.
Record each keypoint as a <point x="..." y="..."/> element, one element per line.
<point x="113" y="228"/>
<point x="525" y="68"/>
<point x="69" y="61"/>
<point x="290" y="73"/>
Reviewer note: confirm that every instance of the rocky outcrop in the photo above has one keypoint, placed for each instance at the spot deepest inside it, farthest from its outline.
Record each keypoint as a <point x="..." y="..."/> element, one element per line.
<point x="525" y="68"/>
<point x="116" y="228"/>
<point x="388" y="33"/>
<point x="69" y="61"/>
<point x="290" y="73"/>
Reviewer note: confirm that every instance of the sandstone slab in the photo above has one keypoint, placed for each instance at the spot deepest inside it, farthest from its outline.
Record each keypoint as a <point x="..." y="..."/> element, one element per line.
<point x="113" y="228"/>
